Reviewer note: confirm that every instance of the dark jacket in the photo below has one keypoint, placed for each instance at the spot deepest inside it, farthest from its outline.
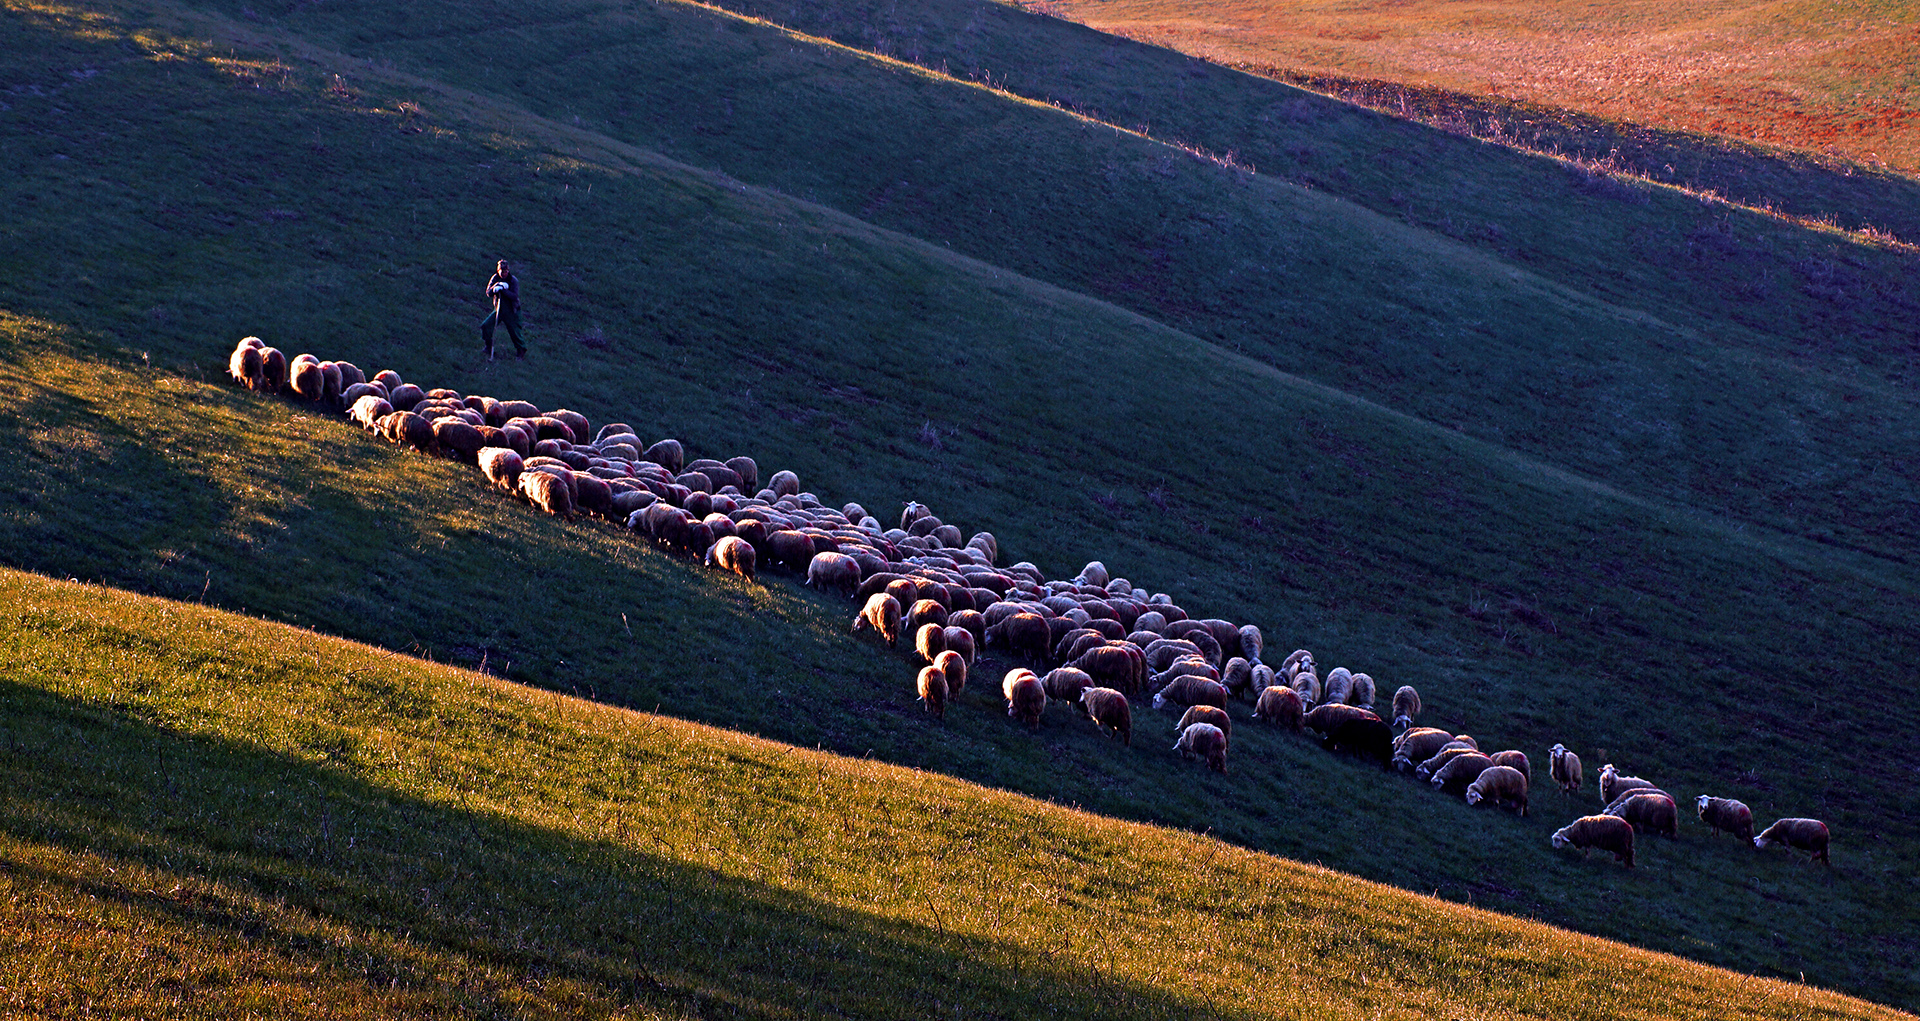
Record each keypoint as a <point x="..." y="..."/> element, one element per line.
<point x="507" y="300"/>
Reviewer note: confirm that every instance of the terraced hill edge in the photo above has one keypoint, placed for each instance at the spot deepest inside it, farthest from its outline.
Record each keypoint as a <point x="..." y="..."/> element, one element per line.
<point x="205" y="809"/>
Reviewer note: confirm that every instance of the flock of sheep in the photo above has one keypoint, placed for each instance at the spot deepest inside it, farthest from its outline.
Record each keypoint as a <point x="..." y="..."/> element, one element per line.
<point x="1104" y="643"/>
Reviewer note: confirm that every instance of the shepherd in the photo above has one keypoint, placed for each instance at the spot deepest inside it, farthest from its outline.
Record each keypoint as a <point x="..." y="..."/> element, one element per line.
<point x="504" y="288"/>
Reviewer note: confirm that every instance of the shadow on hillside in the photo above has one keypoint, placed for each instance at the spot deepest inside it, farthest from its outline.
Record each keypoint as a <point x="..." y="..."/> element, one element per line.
<point x="474" y="900"/>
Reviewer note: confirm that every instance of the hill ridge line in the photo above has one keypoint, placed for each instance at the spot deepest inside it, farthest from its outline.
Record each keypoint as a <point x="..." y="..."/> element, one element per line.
<point x="629" y="158"/>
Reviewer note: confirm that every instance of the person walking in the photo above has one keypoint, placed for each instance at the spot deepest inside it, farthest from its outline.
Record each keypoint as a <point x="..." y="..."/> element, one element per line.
<point x="504" y="288"/>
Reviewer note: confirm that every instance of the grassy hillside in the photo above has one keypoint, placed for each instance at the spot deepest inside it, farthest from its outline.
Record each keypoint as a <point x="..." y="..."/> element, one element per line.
<point x="1835" y="79"/>
<point x="1612" y="358"/>
<point x="180" y="187"/>
<point x="208" y="815"/>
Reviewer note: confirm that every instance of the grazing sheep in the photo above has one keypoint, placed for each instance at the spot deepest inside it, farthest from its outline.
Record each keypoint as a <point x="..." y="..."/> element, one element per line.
<point x="457" y="438"/>
<point x="882" y="613"/>
<point x="1307" y="685"/>
<point x="1110" y="710"/>
<point x="1162" y="652"/>
<point x="1205" y="714"/>
<point x="784" y="483"/>
<point x="1262" y="679"/>
<point x="748" y="471"/>
<point x="1026" y="696"/>
<point x="732" y="553"/>
<point x="1809" y="835"/>
<point x="1251" y="643"/>
<point x="1296" y="661"/>
<point x="1606" y="832"/>
<point x="929" y="641"/>
<point x="1237" y="677"/>
<point x="1185" y="666"/>
<point x="1362" y="693"/>
<point x="1460" y="771"/>
<point x="668" y="454"/>
<point x="1205" y="741"/>
<point x="1515" y="758"/>
<point x="1114" y="665"/>
<point x="834" y="571"/>
<point x="791" y="549"/>
<point x="273" y="370"/>
<point x="960" y="640"/>
<point x="1324" y="718"/>
<point x="1565" y="768"/>
<point x="1280" y="706"/>
<point x="1725" y="814"/>
<point x="986" y="544"/>
<point x="1417" y="745"/>
<point x="306" y="379"/>
<point x="973" y="621"/>
<point x="1498" y="785"/>
<point x="501" y="466"/>
<point x="1095" y="574"/>
<point x="591" y="494"/>
<point x="1338" y="686"/>
<point x="1406" y="706"/>
<point x="1648" y="810"/>
<point x="1438" y="760"/>
<point x="1367" y="736"/>
<point x="954" y="666"/>
<point x="926" y="611"/>
<point x="1192" y="689"/>
<point x="1613" y="782"/>
<point x="368" y="410"/>
<point x="547" y="492"/>
<point x="246" y="366"/>
<point x="1024" y="634"/>
<point x="1064" y="684"/>
<point x="932" y="685"/>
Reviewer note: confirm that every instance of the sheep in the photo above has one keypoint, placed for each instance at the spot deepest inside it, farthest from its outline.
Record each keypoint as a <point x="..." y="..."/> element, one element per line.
<point x="1109" y="709"/>
<point x="1515" y="758"/>
<point x="1162" y="652"/>
<point x="784" y="483"/>
<point x="368" y="410"/>
<point x="1606" y="832"/>
<point x="668" y="454"/>
<point x="1119" y="666"/>
<point x="932" y="685"/>
<point x="1406" y="706"/>
<point x="986" y="544"/>
<point x="1279" y="706"/>
<point x="592" y="494"/>
<point x="246" y="366"/>
<point x="1205" y="741"/>
<point x="306" y="379"/>
<point x="1725" y="814"/>
<point x="1095" y="574"/>
<point x="457" y="438"/>
<point x="791" y="549"/>
<point x="1339" y="685"/>
<point x="547" y="492"/>
<point x="1460" y="771"/>
<point x="833" y="571"/>
<point x="1307" y="684"/>
<point x="1438" y="760"/>
<point x="882" y="614"/>
<point x="1324" y="718"/>
<point x="273" y="370"/>
<point x="973" y="621"/>
<point x="1191" y="690"/>
<point x="1417" y="745"/>
<point x="1024" y="634"/>
<point x="1064" y="684"/>
<point x="929" y="641"/>
<point x="1362" y="693"/>
<point x="1809" y="835"/>
<point x="331" y="384"/>
<point x="1367" y="736"/>
<point x="1613" y="782"/>
<point x="1237" y="677"/>
<point x="960" y="640"/>
<point x="732" y="553"/>
<point x="1565" y="769"/>
<point x="408" y="430"/>
<point x="1499" y="784"/>
<point x="501" y="466"/>
<point x="954" y="666"/>
<point x="1296" y="661"/>
<point x="748" y="471"/>
<point x="926" y="611"/>
<point x="1648" y="810"/>
<point x="1026" y="696"/>
<point x="1205" y="714"/>
<point x="1251" y="643"/>
<point x="1185" y="666"/>
<point x="1261" y="678"/>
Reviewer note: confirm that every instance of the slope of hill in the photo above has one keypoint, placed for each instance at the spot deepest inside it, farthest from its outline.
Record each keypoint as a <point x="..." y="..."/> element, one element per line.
<point x="1834" y="79"/>
<point x="174" y="194"/>
<point x="212" y="816"/>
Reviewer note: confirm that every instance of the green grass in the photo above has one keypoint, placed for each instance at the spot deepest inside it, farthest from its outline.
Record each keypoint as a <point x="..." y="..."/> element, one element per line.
<point x="210" y="191"/>
<point x="207" y="815"/>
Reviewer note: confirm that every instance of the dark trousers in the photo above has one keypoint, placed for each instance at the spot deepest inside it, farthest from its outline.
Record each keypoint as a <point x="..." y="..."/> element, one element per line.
<point x="507" y="317"/>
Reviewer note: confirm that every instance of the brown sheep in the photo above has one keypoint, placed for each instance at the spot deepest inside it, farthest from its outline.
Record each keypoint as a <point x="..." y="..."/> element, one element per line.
<point x="1192" y="690"/>
<point x="1809" y="835"/>
<point x="1064" y="684"/>
<point x="1406" y="706"/>
<point x="1205" y="714"/>
<point x="791" y="549"/>
<point x="1324" y="718"/>
<point x="1026" y="696"/>
<point x="973" y="621"/>
<point x="929" y="641"/>
<point x="1115" y="665"/>
<point x="1725" y="814"/>
<point x="457" y="438"/>
<point x="1515" y="758"/>
<point x="960" y="640"/>
<point x="835" y="571"/>
<point x="306" y="379"/>
<point x="1648" y="810"/>
<point x="882" y="613"/>
<point x="1460" y="771"/>
<point x="1280" y="706"/>
<point x="932" y="685"/>
<point x="1109" y="709"/>
<point x="955" y="667"/>
<point x="547" y="492"/>
<point x="1261" y="679"/>
<point x="668" y="454"/>
<point x="732" y="553"/>
<point x="1205" y="741"/>
<point x="1416" y="745"/>
<point x="273" y="370"/>
<point x="246" y="366"/>
<point x="1606" y="832"/>
<point x="501" y="466"/>
<point x="1613" y="782"/>
<point x="1024" y="634"/>
<point x="1237" y="677"/>
<point x="1362" y="694"/>
<point x="1186" y="666"/>
<point x="926" y="611"/>
<point x="1565" y="769"/>
<point x="1499" y="784"/>
<point x="748" y="471"/>
<point x="784" y="483"/>
<point x="591" y="494"/>
<point x="369" y="410"/>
